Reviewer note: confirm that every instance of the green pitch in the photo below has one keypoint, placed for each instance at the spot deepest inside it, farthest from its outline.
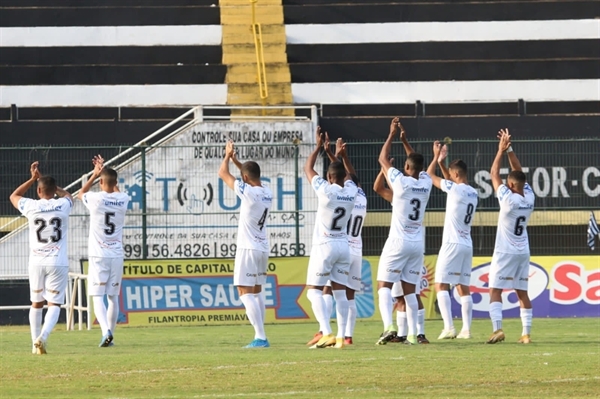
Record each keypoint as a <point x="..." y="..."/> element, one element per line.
<point x="208" y="362"/>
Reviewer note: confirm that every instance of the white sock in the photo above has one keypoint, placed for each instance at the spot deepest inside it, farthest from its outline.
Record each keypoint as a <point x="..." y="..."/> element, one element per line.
<point x="328" y="305"/>
<point x="421" y="322"/>
<point x="35" y="322"/>
<point x="318" y="306"/>
<point x="351" y="318"/>
<point x="100" y="312"/>
<point x="262" y="305"/>
<point x="50" y="321"/>
<point x="496" y="315"/>
<point x="467" y="311"/>
<point x="402" y="324"/>
<point x="444" y="304"/>
<point x="385" y="306"/>
<point x="412" y="311"/>
<point x="341" y="309"/>
<point x="526" y="319"/>
<point x="112" y="313"/>
<point x="253" y="311"/>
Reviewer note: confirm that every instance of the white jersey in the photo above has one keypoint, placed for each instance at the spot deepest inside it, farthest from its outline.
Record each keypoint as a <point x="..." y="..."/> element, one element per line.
<point x="48" y="227"/>
<point x="107" y="217"/>
<point x="355" y="224"/>
<point x="460" y="212"/>
<point x="335" y="205"/>
<point x="515" y="211"/>
<point x="408" y="204"/>
<point x="254" y="213"/>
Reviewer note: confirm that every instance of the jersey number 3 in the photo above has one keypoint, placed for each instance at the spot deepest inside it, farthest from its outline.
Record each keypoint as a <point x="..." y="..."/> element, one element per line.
<point x="416" y="209"/>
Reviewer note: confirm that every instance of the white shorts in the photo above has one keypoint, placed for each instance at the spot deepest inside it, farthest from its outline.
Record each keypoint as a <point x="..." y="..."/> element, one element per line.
<point x="354" y="276"/>
<point x="104" y="276"/>
<point x="250" y="268"/>
<point x="400" y="260"/>
<point x="397" y="290"/>
<point x="329" y="261"/>
<point x="454" y="264"/>
<point x="509" y="271"/>
<point x="48" y="283"/>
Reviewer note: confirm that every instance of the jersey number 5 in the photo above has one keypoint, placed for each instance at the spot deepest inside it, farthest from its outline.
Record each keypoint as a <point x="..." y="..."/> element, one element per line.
<point x="108" y="223"/>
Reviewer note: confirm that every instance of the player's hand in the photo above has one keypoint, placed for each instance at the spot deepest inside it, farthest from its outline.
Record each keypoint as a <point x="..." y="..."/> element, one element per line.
<point x="394" y="126"/>
<point x="320" y="137"/>
<point x="340" y="148"/>
<point x="229" y="149"/>
<point x="98" y="163"/>
<point x="437" y="148"/>
<point x="35" y="172"/>
<point x="327" y="143"/>
<point x="402" y="131"/>
<point x="443" y="153"/>
<point x="504" y="137"/>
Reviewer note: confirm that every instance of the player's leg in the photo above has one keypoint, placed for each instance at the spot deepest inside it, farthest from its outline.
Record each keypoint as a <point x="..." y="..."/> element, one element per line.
<point x="521" y="286"/>
<point x="500" y="278"/>
<point x="447" y="272"/>
<point x="463" y="288"/>
<point x="388" y="272"/>
<point x="98" y="276"/>
<point x="245" y="278"/>
<point x="354" y="285"/>
<point x="319" y="270"/>
<point x="409" y="278"/>
<point x="339" y="283"/>
<point x="36" y="290"/>
<point x="328" y="298"/>
<point x="400" y="307"/>
<point x="55" y="287"/>
<point x="262" y="261"/>
<point x="421" y="338"/>
<point x="113" y="289"/>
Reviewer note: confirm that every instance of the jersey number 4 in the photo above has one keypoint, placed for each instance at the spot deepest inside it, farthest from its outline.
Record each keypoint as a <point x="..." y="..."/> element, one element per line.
<point x="56" y="235"/>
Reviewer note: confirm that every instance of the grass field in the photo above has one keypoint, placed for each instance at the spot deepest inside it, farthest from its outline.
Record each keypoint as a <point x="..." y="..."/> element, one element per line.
<point x="208" y="362"/>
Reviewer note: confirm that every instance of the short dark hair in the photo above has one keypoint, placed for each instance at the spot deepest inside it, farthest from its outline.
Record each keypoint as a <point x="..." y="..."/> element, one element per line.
<point x="110" y="176"/>
<point x="251" y="169"/>
<point x="47" y="184"/>
<point x="460" y="166"/>
<point x="337" y="170"/>
<point x="416" y="161"/>
<point x="517" y="176"/>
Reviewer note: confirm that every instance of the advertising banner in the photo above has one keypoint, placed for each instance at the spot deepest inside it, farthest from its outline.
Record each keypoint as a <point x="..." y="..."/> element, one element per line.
<point x="559" y="286"/>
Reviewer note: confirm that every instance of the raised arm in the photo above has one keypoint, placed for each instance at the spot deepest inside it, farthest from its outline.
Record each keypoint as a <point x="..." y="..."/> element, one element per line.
<point x="20" y="191"/>
<point x="224" y="173"/>
<point x="327" y="146"/>
<point x="512" y="157"/>
<point x="236" y="161"/>
<point x="380" y="188"/>
<point x="384" y="155"/>
<point x="435" y="179"/>
<point x="407" y="147"/>
<point x="340" y="151"/>
<point x="61" y="192"/>
<point x="503" y="145"/>
<point x="441" y="159"/>
<point x="98" y="163"/>
<point x="309" y="166"/>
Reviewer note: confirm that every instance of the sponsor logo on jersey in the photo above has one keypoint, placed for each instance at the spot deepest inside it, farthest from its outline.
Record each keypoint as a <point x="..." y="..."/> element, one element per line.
<point x="114" y="203"/>
<point x="420" y="190"/>
<point x="322" y="274"/>
<point x="345" y="198"/>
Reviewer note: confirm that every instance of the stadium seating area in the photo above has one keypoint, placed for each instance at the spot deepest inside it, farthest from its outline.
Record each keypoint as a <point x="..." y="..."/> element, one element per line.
<point x="115" y="68"/>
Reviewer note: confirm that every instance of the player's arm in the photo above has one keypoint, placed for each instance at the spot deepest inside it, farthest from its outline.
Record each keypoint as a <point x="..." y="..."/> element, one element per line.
<point x="514" y="162"/>
<point x="309" y="166"/>
<point x="224" y="173"/>
<point x="236" y="161"/>
<point x="495" y="170"/>
<point x="441" y="159"/>
<point x="407" y="147"/>
<point x="380" y="188"/>
<point x="20" y="191"/>
<point x="435" y="179"/>
<point x="327" y="147"/>
<point x="384" y="155"/>
<point x="340" y="151"/>
<point x="62" y="193"/>
<point x="98" y="163"/>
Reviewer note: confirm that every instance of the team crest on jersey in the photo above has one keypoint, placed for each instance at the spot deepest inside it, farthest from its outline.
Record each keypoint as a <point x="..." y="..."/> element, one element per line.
<point x="538" y="281"/>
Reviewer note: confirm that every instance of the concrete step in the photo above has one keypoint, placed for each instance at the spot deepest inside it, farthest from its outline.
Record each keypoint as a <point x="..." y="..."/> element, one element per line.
<point x="275" y="77"/>
<point x="244" y="93"/>
<point x="263" y="112"/>
<point x="238" y="29"/>
<point x="246" y="18"/>
<point x="225" y="3"/>
<point x="248" y="38"/>
<point x="230" y="58"/>
<point x="250" y="68"/>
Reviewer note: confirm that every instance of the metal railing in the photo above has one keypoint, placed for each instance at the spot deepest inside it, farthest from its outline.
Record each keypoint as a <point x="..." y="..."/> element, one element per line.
<point x="261" y="73"/>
